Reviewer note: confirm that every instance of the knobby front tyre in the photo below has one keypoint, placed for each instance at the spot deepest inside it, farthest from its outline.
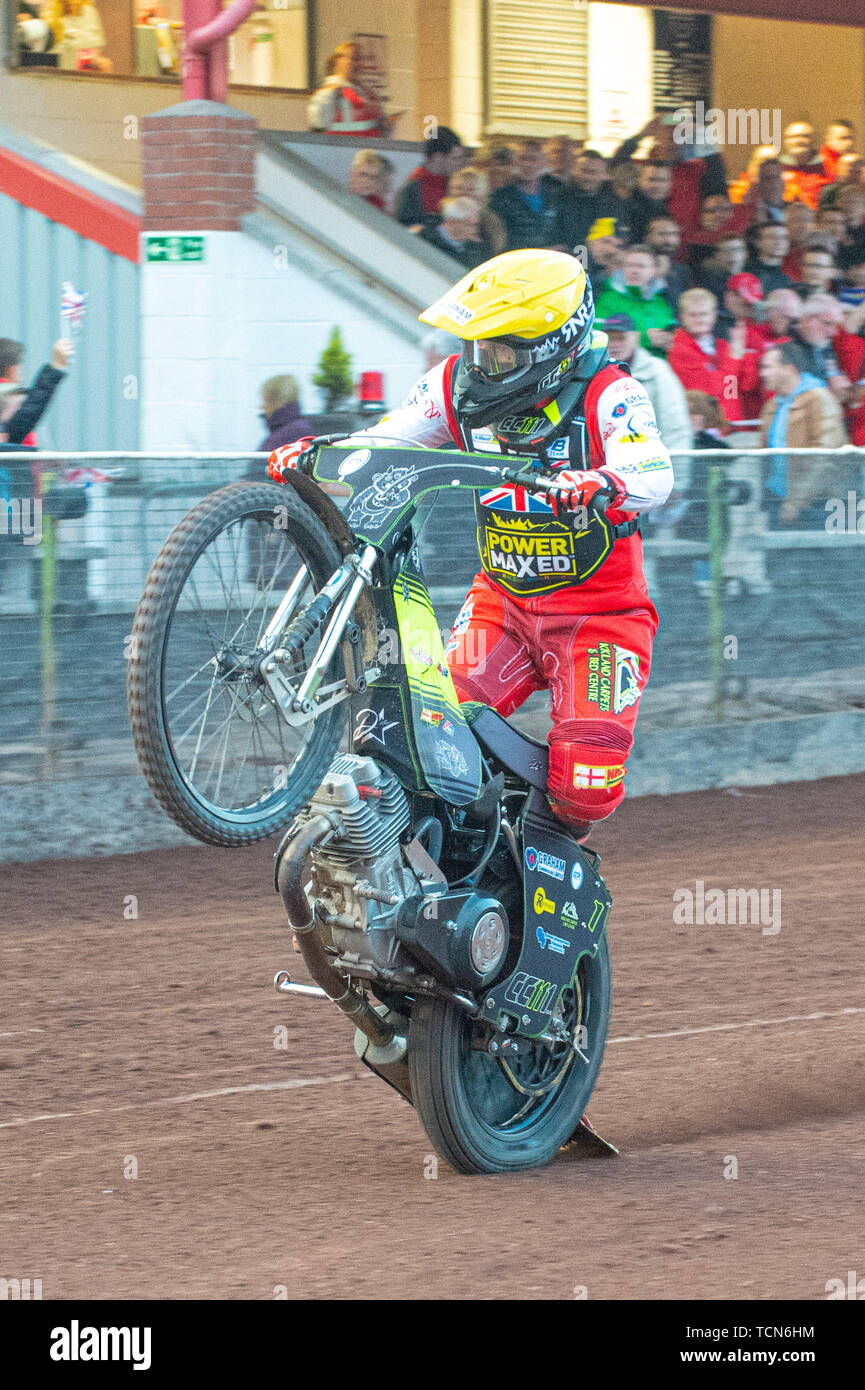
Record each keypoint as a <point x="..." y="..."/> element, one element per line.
<point x="213" y="745"/>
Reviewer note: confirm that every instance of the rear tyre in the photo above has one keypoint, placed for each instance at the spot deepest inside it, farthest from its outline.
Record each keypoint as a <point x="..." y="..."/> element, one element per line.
<point x="487" y="1115"/>
<point x="213" y="745"/>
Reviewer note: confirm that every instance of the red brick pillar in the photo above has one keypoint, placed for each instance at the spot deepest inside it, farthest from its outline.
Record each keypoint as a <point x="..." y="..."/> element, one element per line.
<point x="197" y="168"/>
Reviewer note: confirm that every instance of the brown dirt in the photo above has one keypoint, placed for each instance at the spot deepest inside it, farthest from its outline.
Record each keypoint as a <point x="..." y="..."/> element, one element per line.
<point x="116" y="1023"/>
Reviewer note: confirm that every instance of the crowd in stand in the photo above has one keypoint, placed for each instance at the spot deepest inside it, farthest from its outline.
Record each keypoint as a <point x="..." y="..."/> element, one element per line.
<point x="749" y="291"/>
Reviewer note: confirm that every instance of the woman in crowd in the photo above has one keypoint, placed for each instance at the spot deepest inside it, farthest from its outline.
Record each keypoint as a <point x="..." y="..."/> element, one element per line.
<point x="472" y="183"/>
<point x="703" y="362"/>
<point x="342" y="105"/>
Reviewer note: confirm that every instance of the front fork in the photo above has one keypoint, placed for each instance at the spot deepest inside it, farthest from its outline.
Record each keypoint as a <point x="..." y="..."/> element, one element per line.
<point x="297" y="704"/>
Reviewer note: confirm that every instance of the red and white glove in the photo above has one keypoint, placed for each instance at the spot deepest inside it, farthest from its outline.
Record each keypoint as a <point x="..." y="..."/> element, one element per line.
<point x="580" y="485"/>
<point x="286" y="457"/>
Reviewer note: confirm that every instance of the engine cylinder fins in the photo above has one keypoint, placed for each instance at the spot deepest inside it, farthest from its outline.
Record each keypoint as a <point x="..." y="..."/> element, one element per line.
<point x="370" y="824"/>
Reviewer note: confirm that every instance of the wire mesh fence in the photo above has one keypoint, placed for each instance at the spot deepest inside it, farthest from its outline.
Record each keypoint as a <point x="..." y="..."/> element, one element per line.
<point x="760" y="595"/>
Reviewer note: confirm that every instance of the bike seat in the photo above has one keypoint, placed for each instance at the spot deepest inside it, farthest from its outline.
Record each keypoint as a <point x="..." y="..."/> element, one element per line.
<point x="524" y="756"/>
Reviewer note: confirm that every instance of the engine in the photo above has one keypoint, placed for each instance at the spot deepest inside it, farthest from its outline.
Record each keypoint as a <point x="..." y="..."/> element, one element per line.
<point x="360" y="878"/>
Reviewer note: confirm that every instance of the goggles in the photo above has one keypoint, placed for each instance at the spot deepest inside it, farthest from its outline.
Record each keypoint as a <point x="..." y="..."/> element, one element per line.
<point x="495" y="359"/>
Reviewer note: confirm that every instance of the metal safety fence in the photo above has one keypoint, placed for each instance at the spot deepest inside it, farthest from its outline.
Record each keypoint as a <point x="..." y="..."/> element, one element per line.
<point x="755" y="565"/>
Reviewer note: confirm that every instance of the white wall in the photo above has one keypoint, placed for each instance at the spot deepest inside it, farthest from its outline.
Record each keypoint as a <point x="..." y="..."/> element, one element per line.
<point x="212" y="332"/>
<point x="621" y="41"/>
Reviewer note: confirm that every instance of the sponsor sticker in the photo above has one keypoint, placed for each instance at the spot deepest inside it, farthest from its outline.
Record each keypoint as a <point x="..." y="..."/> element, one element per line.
<point x="458" y="311"/>
<point x="576" y="875"/>
<point x="432" y="716"/>
<point x="548" y="942"/>
<point x="543" y="903"/>
<point x="585" y="776"/>
<point x="614" y="677"/>
<point x="570" y="916"/>
<point x="545" y="863"/>
<point x="355" y="460"/>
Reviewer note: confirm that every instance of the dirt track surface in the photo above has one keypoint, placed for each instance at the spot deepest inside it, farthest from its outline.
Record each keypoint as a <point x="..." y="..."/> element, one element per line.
<point x="153" y="1040"/>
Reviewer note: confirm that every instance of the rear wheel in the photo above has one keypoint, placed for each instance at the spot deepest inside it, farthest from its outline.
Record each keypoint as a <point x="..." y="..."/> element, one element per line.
<point x="499" y="1114"/>
<point x="212" y="743"/>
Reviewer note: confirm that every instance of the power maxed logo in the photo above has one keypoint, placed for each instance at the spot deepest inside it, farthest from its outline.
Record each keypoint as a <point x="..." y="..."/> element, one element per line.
<point x="545" y="863"/>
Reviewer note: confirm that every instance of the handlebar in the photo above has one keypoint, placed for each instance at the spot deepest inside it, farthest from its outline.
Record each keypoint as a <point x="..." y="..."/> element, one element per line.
<point x="533" y="481"/>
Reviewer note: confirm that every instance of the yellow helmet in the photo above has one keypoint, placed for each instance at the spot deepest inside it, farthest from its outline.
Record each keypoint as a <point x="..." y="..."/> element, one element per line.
<point x="520" y="294"/>
<point x="526" y="319"/>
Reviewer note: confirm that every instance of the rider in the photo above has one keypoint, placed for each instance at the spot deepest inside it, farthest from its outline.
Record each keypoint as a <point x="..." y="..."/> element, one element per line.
<point x="535" y="378"/>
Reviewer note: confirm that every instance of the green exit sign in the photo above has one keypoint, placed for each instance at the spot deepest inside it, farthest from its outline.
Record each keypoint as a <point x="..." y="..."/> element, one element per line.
<point x="175" y="248"/>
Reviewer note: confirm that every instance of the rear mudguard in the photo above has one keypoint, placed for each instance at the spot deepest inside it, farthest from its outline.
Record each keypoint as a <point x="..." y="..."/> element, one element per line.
<point x="566" y="904"/>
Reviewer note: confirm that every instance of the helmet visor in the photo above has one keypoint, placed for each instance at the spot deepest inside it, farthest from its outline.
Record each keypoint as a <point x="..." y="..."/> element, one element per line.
<point x="495" y="359"/>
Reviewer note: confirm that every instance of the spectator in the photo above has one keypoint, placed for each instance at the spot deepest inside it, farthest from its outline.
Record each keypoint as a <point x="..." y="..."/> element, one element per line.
<point x="692" y="179"/>
<point x="664" y="238"/>
<point x="741" y="297"/>
<point x="663" y="387"/>
<point x="728" y="258"/>
<point x="528" y="209"/>
<point x="634" y="291"/>
<point x="851" y="289"/>
<point x="850" y="174"/>
<point x="766" y="196"/>
<point x="782" y="310"/>
<point x="830" y="227"/>
<point x="802" y="413"/>
<point x="800" y="226"/>
<point x="81" y="38"/>
<point x="804" y="174"/>
<point x="718" y="218"/>
<point x="604" y="252"/>
<point x="471" y="182"/>
<point x="370" y="178"/>
<point x="651" y="198"/>
<point x="624" y="179"/>
<point x="851" y="201"/>
<point x="584" y="200"/>
<point x="741" y="187"/>
<point x="341" y="106"/>
<point x="24" y="407"/>
<point x="498" y="163"/>
<point x="280" y="411"/>
<point x="559" y="156"/>
<point x="819" y="271"/>
<point x="771" y="246"/>
<point x="459" y="232"/>
<point x="703" y="362"/>
<point x="837" y="142"/>
<point x="420" y="196"/>
<point x="825" y="343"/>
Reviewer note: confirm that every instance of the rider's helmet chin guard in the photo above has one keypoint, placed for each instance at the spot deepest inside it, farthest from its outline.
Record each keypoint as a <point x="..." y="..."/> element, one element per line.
<point x="526" y="319"/>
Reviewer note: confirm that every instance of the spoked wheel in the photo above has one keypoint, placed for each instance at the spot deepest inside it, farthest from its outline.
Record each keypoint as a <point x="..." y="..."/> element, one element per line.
<point x="215" y="748"/>
<point x="498" y="1114"/>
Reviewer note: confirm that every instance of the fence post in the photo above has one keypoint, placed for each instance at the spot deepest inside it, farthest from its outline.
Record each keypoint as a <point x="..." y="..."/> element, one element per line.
<point x="716" y="580"/>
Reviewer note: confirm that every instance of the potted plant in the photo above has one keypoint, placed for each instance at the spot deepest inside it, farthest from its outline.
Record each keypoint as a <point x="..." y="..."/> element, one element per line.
<point x="334" y="375"/>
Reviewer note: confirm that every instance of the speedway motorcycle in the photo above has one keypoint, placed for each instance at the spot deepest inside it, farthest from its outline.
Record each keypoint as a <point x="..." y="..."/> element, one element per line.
<point x="287" y="670"/>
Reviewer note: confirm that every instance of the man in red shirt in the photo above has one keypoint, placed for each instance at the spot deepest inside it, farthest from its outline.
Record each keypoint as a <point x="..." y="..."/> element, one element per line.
<point x="419" y="198"/>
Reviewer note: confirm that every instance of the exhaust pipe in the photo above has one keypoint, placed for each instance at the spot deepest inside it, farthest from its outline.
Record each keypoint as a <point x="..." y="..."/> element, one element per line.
<point x="289" y="882"/>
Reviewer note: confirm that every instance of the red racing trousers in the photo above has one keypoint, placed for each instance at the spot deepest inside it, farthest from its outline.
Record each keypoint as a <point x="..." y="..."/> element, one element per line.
<point x="595" y="666"/>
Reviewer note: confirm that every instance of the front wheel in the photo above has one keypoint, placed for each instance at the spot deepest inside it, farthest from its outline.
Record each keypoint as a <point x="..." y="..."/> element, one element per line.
<point x="212" y="743"/>
<point x="495" y="1114"/>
